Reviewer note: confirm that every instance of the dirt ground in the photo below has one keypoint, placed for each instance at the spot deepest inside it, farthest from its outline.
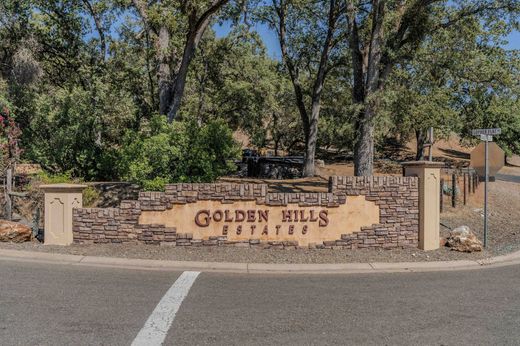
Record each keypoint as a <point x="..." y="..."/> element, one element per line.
<point x="503" y="212"/>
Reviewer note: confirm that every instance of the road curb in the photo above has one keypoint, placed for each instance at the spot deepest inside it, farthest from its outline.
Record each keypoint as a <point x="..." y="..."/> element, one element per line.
<point x="258" y="268"/>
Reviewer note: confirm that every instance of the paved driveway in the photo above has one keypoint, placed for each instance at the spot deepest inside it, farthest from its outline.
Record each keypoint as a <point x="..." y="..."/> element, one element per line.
<point x="51" y="304"/>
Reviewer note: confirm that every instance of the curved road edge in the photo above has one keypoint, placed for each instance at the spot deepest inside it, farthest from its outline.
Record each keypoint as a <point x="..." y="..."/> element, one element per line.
<point x="259" y="268"/>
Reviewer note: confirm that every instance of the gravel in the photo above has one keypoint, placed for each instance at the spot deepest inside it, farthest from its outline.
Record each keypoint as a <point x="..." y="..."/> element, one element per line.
<point x="503" y="214"/>
<point x="250" y="255"/>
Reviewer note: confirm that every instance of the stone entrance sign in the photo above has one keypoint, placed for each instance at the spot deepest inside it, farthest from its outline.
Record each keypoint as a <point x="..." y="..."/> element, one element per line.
<point x="496" y="159"/>
<point x="356" y="212"/>
<point x="247" y="220"/>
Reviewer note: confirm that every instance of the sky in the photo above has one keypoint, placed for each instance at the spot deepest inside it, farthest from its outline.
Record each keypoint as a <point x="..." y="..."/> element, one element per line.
<point x="273" y="47"/>
<point x="268" y="36"/>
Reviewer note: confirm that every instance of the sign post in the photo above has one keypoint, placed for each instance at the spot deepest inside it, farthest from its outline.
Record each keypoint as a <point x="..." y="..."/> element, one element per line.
<point x="486" y="135"/>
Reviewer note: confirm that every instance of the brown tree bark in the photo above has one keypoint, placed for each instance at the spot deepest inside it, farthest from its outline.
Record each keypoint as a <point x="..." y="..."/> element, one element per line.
<point x="198" y="25"/>
<point x="373" y="60"/>
<point x="179" y="82"/>
<point x="163" y="71"/>
<point x="309" y="120"/>
<point x="364" y="145"/>
<point x="99" y="29"/>
<point x="420" y="137"/>
<point x="172" y="79"/>
<point x="366" y="68"/>
<point x="371" y="65"/>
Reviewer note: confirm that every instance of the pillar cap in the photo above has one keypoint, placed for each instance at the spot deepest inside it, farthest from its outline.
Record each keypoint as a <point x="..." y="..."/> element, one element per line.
<point x="424" y="164"/>
<point x="63" y="187"/>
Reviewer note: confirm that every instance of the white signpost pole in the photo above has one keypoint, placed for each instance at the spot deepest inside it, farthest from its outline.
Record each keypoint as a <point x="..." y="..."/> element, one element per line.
<point x="430" y="154"/>
<point x="487" y="136"/>
<point x="486" y="159"/>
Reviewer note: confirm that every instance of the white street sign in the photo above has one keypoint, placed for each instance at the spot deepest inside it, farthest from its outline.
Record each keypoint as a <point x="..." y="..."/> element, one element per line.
<point x="478" y="132"/>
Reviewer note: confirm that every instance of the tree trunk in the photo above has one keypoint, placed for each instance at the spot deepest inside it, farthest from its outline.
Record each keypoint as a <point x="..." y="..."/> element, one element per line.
<point x="309" y="169"/>
<point x="198" y="26"/>
<point x="364" y="148"/>
<point x="312" y="131"/>
<point x="421" y="139"/>
<point x="163" y="72"/>
<point x="180" y="79"/>
<point x="99" y="28"/>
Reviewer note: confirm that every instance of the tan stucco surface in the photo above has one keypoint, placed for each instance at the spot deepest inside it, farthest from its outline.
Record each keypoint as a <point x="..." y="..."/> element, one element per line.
<point x="429" y="198"/>
<point x="60" y="199"/>
<point x="345" y="219"/>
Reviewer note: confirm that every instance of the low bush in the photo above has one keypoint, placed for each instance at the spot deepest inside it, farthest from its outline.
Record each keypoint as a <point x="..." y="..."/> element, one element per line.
<point x="165" y="153"/>
<point x="90" y="194"/>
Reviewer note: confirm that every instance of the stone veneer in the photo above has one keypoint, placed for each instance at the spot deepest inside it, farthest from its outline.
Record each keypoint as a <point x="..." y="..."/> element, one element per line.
<point x="397" y="198"/>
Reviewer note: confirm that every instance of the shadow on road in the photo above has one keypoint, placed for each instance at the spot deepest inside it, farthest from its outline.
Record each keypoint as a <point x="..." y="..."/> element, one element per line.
<point x="508" y="178"/>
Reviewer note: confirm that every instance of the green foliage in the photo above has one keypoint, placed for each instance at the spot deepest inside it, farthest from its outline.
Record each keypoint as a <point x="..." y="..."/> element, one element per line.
<point x="9" y="135"/>
<point x="179" y="152"/>
<point x="459" y="78"/>
<point x="79" y="130"/>
<point x="488" y="109"/>
<point x="90" y="194"/>
<point x="234" y="79"/>
<point x="90" y="197"/>
<point x="85" y="95"/>
<point x="59" y="178"/>
<point x="155" y="184"/>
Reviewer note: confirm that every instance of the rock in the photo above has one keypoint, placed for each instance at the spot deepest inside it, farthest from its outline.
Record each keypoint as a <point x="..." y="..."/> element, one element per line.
<point x="14" y="232"/>
<point x="464" y="240"/>
<point x="15" y="217"/>
<point x="319" y="163"/>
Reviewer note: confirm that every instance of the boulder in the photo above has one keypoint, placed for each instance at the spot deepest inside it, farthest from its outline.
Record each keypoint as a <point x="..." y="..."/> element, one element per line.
<point x="464" y="240"/>
<point x="14" y="232"/>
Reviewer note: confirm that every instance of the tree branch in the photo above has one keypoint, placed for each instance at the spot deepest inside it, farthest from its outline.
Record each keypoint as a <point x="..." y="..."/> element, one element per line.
<point x="99" y="28"/>
<point x="143" y="13"/>
<point x="327" y="46"/>
<point x="357" y="55"/>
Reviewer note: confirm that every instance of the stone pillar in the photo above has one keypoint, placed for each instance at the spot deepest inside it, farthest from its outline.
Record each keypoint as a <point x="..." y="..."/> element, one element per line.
<point x="429" y="198"/>
<point x="60" y="199"/>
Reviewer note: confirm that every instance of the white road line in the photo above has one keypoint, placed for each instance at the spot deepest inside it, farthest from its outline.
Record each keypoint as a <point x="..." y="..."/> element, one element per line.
<point x="156" y="327"/>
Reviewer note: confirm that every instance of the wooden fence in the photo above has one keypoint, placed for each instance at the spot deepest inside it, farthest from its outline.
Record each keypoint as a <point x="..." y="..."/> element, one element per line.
<point x="457" y="187"/>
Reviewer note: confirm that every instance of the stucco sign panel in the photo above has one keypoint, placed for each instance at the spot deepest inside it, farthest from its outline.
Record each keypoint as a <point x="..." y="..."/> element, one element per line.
<point x="248" y="220"/>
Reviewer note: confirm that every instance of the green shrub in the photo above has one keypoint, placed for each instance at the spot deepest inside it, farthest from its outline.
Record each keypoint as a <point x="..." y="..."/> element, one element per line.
<point x="79" y="129"/>
<point x="179" y="152"/>
<point x="90" y="196"/>
<point x="156" y="184"/>
<point x="59" y="178"/>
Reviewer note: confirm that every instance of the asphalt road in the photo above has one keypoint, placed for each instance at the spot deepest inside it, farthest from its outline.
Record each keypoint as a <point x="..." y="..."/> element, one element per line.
<point x="51" y="304"/>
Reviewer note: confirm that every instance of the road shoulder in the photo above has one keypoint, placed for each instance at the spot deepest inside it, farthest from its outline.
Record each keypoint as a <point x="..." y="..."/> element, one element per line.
<point x="257" y="268"/>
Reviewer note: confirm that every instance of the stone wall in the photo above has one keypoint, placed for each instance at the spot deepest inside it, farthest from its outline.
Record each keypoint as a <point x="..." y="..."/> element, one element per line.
<point x="396" y="197"/>
<point x="398" y="200"/>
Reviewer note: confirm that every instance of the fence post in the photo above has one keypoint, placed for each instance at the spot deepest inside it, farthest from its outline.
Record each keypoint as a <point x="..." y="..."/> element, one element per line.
<point x="470" y="183"/>
<point x="441" y="198"/>
<point x="8" y="197"/>
<point x="453" y="190"/>
<point x="465" y="188"/>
